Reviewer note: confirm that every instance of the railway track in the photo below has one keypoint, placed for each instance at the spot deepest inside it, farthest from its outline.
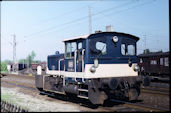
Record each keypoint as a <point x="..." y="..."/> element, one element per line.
<point x="21" y="86"/>
<point x="138" y="106"/>
<point x="162" y="91"/>
<point x="16" y="75"/>
<point x="155" y="92"/>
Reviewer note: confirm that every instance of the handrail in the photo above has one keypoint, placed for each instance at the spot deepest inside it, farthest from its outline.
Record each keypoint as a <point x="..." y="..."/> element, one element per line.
<point x="83" y="60"/>
<point x="75" y="57"/>
<point x="59" y="68"/>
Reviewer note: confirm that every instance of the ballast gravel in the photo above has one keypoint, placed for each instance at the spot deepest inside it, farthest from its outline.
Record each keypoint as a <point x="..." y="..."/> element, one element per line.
<point x="31" y="103"/>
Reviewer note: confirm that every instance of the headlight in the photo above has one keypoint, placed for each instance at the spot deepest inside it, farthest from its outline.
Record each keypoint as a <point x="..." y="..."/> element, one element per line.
<point x="92" y="69"/>
<point x="136" y="67"/>
<point x="115" y="39"/>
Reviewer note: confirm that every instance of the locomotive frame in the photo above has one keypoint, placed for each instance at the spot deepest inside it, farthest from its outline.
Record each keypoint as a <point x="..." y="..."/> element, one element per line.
<point x="100" y="66"/>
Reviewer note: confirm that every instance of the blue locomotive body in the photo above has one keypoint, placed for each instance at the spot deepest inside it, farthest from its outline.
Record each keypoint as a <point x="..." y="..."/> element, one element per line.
<point x="53" y="62"/>
<point x="97" y="67"/>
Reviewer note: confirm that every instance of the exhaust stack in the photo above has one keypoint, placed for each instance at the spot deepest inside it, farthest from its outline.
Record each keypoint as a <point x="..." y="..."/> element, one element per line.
<point x="109" y="28"/>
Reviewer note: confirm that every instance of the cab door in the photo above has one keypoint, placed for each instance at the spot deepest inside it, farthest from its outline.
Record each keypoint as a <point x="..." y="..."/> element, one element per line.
<point x="80" y="57"/>
<point x="70" y="52"/>
<point x="74" y="56"/>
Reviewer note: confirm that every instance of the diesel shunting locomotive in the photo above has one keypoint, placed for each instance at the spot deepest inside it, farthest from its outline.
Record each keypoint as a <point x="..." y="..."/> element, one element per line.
<point x="97" y="67"/>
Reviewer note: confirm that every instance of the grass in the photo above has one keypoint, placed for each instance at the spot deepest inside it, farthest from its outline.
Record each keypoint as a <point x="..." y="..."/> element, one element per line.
<point x="4" y="71"/>
<point x="11" y="98"/>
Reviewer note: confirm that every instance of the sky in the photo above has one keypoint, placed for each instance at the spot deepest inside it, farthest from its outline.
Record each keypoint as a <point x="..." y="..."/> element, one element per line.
<point x="41" y="26"/>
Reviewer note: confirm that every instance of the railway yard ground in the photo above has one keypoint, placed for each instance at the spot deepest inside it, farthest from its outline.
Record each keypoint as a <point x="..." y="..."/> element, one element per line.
<point x="20" y="90"/>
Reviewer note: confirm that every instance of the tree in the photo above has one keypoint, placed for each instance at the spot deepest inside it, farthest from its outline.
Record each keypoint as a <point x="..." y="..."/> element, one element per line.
<point x="33" y="54"/>
<point x="3" y="67"/>
<point x="22" y="61"/>
<point x="30" y="58"/>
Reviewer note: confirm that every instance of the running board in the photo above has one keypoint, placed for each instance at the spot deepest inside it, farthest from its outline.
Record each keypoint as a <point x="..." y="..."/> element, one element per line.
<point x="85" y="90"/>
<point x="82" y="97"/>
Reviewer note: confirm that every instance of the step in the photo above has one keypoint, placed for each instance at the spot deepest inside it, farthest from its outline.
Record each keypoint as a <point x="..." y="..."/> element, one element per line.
<point x="85" y="90"/>
<point x="82" y="96"/>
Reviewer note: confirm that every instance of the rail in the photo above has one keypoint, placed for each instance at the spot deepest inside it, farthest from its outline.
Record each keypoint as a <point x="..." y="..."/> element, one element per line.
<point x="155" y="92"/>
<point x="139" y="106"/>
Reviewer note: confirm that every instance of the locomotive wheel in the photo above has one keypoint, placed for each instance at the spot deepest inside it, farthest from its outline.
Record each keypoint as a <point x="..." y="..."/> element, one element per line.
<point x="133" y="94"/>
<point x="96" y="96"/>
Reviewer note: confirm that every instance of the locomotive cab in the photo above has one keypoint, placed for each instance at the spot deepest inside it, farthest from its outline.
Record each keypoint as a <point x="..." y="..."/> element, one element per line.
<point x="113" y="48"/>
<point x="75" y="54"/>
<point x="97" y="67"/>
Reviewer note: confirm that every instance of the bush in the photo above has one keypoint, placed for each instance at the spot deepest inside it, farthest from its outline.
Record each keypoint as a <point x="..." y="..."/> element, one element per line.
<point x="3" y="67"/>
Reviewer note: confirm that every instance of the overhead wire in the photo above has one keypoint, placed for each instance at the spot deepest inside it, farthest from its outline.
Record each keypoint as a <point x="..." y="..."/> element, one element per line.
<point x="61" y="28"/>
<point x="65" y="13"/>
<point x="128" y="9"/>
<point x="76" y="20"/>
<point x="115" y="12"/>
<point x="7" y="40"/>
<point x="100" y="12"/>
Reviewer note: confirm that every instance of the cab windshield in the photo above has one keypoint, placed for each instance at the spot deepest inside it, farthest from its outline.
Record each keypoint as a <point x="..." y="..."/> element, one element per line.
<point x="70" y="47"/>
<point x="98" y="46"/>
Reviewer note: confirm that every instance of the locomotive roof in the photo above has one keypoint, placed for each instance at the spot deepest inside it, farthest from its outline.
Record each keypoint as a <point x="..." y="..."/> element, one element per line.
<point x="76" y="38"/>
<point x="154" y="54"/>
<point x="86" y="36"/>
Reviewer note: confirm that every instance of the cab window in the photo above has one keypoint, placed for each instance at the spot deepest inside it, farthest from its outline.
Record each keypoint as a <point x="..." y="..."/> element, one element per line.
<point x="98" y="46"/>
<point x="80" y="45"/>
<point x="127" y="49"/>
<point x="131" y="50"/>
<point x="123" y="49"/>
<point x="70" y="47"/>
<point x="102" y="47"/>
